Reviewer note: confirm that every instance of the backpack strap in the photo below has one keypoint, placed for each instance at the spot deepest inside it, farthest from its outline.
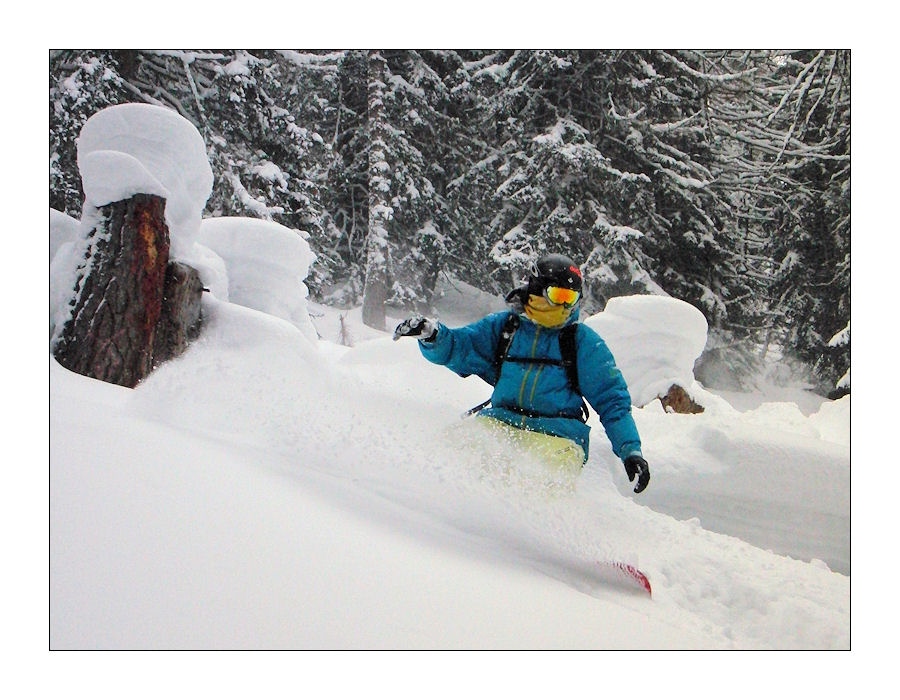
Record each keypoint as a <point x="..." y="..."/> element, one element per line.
<point x="501" y="352"/>
<point x="510" y="326"/>
<point x="569" y="351"/>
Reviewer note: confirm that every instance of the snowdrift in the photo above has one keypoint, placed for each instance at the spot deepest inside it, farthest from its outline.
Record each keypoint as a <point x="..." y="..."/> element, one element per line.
<point x="269" y="489"/>
<point x="266" y="265"/>
<point x="251" y="480"/>
<point x="295" y="464"/>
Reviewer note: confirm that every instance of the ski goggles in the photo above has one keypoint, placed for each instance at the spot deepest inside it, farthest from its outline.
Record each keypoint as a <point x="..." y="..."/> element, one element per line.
<point x="560" y="296"/>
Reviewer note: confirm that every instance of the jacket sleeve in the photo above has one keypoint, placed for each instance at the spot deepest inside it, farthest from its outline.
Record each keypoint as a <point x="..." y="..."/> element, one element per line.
<point x="469" y="349"/>
<point x="604" y="387"/>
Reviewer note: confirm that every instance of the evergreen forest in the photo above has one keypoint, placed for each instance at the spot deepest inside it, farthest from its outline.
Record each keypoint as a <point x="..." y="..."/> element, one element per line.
<point x="720" y="177"/>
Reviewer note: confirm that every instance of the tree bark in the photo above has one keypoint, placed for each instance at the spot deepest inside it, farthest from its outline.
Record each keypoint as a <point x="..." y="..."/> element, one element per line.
<point x="132" y="308"/>
<point x="180" y="320"/>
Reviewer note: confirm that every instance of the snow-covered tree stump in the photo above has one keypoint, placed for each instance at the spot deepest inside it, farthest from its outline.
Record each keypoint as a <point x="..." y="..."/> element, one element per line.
<point x="677" y="400"/>
<point x="133" y="309"/>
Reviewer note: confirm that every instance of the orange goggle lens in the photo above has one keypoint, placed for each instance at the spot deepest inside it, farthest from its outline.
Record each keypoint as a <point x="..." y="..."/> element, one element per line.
<point x="561" y="296"/>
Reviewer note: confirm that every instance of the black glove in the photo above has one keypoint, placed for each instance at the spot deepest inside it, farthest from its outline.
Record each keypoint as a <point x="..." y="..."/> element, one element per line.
<point x="416" y="327"/>
<point x="637" y="467"/>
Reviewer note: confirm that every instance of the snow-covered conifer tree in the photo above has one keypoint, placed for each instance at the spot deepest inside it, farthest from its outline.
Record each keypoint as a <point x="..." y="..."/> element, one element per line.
<point x="719" y="177"/>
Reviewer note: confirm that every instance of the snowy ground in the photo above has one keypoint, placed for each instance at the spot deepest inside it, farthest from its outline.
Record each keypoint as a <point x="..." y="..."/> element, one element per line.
<point x="265" y="492"/>
<point x="268" y="490"/>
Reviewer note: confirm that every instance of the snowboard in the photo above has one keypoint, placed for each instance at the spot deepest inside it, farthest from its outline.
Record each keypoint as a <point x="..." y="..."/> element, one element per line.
<point x="618" y="571"/>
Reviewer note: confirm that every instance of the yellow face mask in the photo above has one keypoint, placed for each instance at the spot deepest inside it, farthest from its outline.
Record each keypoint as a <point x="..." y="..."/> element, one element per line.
<point x="546" y="314"/>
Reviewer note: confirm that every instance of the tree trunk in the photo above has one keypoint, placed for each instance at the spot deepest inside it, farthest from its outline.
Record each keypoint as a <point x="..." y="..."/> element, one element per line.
<point x="432" y="271"/>
<point x="132" y="309"/>
<point x="380" y="211"/>
<point x="374" y="296"/>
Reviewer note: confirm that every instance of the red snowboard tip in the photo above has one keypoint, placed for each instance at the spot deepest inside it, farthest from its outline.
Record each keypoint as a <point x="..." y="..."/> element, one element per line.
<point x="632" y="574"/>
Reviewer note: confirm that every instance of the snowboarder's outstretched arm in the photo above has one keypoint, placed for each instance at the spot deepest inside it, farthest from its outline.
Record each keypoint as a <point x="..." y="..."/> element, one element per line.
<point x="467" y="350"/>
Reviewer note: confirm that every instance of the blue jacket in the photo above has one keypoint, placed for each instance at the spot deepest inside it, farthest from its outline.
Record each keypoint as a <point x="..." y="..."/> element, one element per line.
<point x="542" y="389"/>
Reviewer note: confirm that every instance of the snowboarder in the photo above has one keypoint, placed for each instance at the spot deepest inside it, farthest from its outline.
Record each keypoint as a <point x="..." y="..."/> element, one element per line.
<point x="541" y="363"/>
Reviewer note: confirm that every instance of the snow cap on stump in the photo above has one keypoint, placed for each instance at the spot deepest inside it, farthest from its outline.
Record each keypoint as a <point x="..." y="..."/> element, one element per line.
<point x="138" y="148"/>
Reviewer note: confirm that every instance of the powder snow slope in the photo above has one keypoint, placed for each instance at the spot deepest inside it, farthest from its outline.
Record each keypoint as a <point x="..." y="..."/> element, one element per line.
<point x="265" y="491"/>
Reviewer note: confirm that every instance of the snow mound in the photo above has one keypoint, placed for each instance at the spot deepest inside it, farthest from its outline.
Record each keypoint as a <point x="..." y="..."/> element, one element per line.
<point x="655" y="341"/>
<point x="66" y="251"/>
<point x="212" y="270"/>
<point x="781" y="415"/>
<point x="157" y="149"/>
<point x="63" y="229"/>
<point x="832" y="421"/>
<point x="266" y="264"/>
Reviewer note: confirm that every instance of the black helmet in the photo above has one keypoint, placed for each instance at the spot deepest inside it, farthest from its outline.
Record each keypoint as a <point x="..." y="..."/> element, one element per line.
<point x="554" y="270"/>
